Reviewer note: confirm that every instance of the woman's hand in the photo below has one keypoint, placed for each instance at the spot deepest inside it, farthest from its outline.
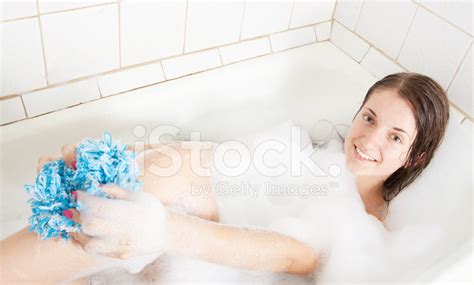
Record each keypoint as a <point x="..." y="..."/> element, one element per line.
<point x="129" y="225"/>
<point x="68" y="154"/>
<point x="45" y="159"/>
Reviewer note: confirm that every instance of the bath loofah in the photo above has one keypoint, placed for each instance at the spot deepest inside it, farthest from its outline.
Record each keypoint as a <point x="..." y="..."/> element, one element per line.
<point x="97" y="162"/>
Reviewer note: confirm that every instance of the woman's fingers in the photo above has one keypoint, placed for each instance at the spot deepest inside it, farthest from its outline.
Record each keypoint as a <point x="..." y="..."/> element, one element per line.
<point x="74" y="215"/>
<point x="93" y="226"/>
<point x="92" y="206"/>
<point x="115" y="192"/>
<point x="69" y="155"/>
<point x="45" y="159"/>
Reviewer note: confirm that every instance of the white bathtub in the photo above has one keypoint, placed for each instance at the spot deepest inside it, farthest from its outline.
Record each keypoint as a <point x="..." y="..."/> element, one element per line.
<point x="305" y="84"/>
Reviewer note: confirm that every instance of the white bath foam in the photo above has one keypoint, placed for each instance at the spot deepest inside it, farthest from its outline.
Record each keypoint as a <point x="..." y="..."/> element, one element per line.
<point x="175" y="269"/>
<point x="356" y="245"/>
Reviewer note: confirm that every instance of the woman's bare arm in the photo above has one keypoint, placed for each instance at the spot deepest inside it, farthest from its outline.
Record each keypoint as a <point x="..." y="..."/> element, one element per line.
<point x="24" y="258"/>
<point x="252" y="249"/>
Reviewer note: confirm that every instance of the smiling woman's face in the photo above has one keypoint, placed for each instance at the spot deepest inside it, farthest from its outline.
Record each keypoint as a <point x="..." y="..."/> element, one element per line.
<point x="380" y="136"/>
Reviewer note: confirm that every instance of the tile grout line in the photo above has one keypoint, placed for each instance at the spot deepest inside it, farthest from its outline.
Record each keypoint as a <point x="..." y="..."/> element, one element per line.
<point x="163" y="70"/>
<point x="56" y="12"/>
<point x="24" y="108"/>
<point x="42" y="44"/>
<point x="459" y="67"/>
<point x="315" y="35"/>
<point x="334" y="10"/>
<point x="220" y="56"/>
<point x="445" y="20"/>
<point x="406" y="35"/>
<point x="242" y="20"/>
<point x="185" y="27"/>
<point x="358" y="16"/>
<point x="119" y="9"/>
<point x="270" y="42"/>
<point x="291" y="14"/>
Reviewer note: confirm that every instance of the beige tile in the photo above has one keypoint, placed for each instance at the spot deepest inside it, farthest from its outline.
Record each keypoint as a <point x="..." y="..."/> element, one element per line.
<point x="457" y="12"/>
<point x="151" y="30"/>
<point x="378" y="64"/>
<point x="263" y="18"/>
<point x="437" y="54"/>
<point x="311" y="12"/>
<point x="212" y="23"/>
<point x="191" y="63"/>
<point x="17" y="9"/>
<point x="460" y="91"/>
<point x="60" y="97"/>
<point x="130" y="78"/>
<point x="11" y="110"/>
<point x="48" y="6"/>
<point x="81" y="42"/>
<point x="22" y="57"/>
<point x="348" y="42"/>
<point x="293" y="38"/>
<point x="323" y="31"/>
<point x="347" y="12"/>
<point x="385" y="24"/>
<point x="245" y="50"/>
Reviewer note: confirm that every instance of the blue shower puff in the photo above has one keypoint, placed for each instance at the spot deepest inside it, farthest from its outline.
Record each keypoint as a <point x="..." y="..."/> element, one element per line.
<point x="97" y="162"/>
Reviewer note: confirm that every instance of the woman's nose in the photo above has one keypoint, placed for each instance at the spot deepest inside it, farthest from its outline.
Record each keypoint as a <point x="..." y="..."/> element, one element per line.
<point x="373" y="139"/>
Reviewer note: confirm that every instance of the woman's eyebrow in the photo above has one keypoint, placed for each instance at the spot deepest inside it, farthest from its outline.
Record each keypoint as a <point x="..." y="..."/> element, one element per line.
<point x="395" y="128"/>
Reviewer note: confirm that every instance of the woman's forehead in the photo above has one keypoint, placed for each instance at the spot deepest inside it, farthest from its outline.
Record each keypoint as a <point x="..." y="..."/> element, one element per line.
<point x="389" y="107"/>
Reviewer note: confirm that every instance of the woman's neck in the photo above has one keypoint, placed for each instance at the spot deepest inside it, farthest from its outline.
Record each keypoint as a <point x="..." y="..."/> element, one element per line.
<point x="370" y="190"/>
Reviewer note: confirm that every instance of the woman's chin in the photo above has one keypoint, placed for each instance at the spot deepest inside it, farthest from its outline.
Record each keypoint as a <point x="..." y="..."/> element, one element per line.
<point x="356" y="169"/>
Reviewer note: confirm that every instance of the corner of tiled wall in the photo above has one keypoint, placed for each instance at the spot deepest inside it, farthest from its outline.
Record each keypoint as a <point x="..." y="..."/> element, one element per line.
<point x="61" y="54"/>
<point x="430" y="37"/>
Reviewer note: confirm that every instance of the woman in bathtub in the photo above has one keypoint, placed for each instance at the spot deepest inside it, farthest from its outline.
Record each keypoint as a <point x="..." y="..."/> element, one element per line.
<point x="393" y="137"/>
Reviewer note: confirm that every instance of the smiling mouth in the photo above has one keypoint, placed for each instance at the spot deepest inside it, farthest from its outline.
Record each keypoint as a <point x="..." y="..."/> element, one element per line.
<point x="362" y="156"/>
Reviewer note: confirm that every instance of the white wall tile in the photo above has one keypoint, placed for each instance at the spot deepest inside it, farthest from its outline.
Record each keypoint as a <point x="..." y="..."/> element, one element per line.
<point x="311" y="12"/>
<point x="151" y="30"/>
<point x="47" y="6"/>
<point x="262" y="18"/>
<point x="458" y="12"/>
<point x="433" y="47"/>
<point x="80" y="42"/>
<point x="60" y="97"/>
<point x="17" y="9"/>
<point x="381" y="18"/>
<point x="323" y="31"/>
<point x="293" y="38"/>
<point x="348" y="42"/>
<point x="11" y="110"/>
<point x="213" y="23"/>
<point x="347" y="12"/>
<point x="130" y="78"/>
<point x="245" y="50"/>
<point x="191" y="63"/>
<point x="460" y="91"/>
<point x="378" y="64"/>
<point x="22" y="56"/>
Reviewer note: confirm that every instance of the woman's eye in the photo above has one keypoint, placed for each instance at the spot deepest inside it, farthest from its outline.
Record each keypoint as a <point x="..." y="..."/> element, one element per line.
<point x="397" y="139"/>
<point x="367" y="118"/>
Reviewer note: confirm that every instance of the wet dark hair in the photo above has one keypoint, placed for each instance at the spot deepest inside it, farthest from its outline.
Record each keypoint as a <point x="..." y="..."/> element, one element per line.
<point x="430" y="107"/>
